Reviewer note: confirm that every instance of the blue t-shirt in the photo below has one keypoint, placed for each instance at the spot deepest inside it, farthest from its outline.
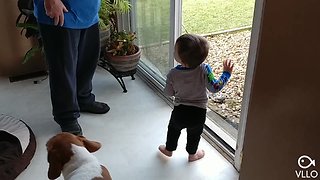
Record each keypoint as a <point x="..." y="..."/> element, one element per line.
<point x="81" y="14"/>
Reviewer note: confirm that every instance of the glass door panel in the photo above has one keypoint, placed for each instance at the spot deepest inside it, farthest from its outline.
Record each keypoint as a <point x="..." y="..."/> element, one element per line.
<point x="227" y="27"/>
<point x="152" y="25"/>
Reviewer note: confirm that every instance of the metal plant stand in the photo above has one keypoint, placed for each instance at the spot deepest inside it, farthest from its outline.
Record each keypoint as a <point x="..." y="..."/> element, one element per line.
<point x="117" y="74"/>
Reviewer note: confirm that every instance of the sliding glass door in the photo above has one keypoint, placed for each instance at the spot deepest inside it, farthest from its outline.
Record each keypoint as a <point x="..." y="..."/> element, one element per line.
<point x="159" y="22"/>
<point x="152" y="25"/>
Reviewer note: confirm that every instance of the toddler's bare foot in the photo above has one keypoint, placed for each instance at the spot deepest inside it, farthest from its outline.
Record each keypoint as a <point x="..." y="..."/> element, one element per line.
<point x="162" y="148"/>
<point x="198" y="155"/>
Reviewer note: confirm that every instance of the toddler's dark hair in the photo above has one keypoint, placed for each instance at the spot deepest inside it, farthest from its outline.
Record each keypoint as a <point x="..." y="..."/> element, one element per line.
<point x="192" y="49"/>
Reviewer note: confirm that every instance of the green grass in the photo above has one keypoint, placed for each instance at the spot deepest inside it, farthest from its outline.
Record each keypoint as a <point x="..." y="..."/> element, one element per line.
<point x="208" y="16"/>
<point x="198" y="16"/>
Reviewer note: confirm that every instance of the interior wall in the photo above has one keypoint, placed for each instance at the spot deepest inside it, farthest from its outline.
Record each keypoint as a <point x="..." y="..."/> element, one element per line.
<point x="13" y="45"/>
<point x="283" y="120"/>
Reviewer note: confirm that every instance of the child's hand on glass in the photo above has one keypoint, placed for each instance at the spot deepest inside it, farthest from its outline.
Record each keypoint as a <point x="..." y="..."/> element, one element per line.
<point x="227" y="66"/>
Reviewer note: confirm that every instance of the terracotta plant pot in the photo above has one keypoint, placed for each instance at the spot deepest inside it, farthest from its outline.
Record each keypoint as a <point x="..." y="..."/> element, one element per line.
<point x="124" y="63"/>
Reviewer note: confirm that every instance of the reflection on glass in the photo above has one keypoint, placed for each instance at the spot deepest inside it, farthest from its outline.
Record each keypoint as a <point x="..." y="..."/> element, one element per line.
<point x="152" y="28"/>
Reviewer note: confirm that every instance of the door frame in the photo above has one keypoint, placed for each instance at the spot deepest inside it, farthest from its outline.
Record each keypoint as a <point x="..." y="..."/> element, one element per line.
<point x="252" y="56"/>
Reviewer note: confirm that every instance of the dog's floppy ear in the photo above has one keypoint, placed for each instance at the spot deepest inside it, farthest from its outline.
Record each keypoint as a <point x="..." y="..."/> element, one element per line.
<point x="91" y="146"/>
<point x="55" y="164"/>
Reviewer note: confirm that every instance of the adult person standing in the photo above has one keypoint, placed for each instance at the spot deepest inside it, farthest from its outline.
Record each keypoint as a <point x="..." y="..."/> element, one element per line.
<point x="70" y="35"/>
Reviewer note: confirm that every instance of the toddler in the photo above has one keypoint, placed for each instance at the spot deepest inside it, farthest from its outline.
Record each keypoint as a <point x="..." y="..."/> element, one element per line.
<point x="188" y="84"/>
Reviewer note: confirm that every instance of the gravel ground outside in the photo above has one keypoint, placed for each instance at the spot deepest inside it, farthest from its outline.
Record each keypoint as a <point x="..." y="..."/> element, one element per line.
<point x="233" y="46"/>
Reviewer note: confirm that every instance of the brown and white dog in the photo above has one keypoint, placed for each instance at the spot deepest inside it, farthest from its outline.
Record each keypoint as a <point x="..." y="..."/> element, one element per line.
<point x="72" y="156"/>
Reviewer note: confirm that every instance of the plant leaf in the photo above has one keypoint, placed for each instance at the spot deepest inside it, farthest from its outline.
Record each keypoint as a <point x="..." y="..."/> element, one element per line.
<point x="28" y="25"/>
<point x="30" y="53"/>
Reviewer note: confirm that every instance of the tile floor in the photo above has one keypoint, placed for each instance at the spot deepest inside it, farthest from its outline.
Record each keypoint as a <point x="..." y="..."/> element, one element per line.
<point x="130" y="133"/>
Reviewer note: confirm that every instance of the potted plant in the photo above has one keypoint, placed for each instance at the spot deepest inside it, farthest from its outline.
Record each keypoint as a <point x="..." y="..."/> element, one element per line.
<point x="104" y="23"/>
<point x="121" y="51"/>
<point x="108" y="17"/>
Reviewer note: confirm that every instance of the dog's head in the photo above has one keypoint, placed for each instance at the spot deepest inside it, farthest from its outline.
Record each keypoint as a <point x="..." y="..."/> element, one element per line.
<point x="59" y="151"/>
